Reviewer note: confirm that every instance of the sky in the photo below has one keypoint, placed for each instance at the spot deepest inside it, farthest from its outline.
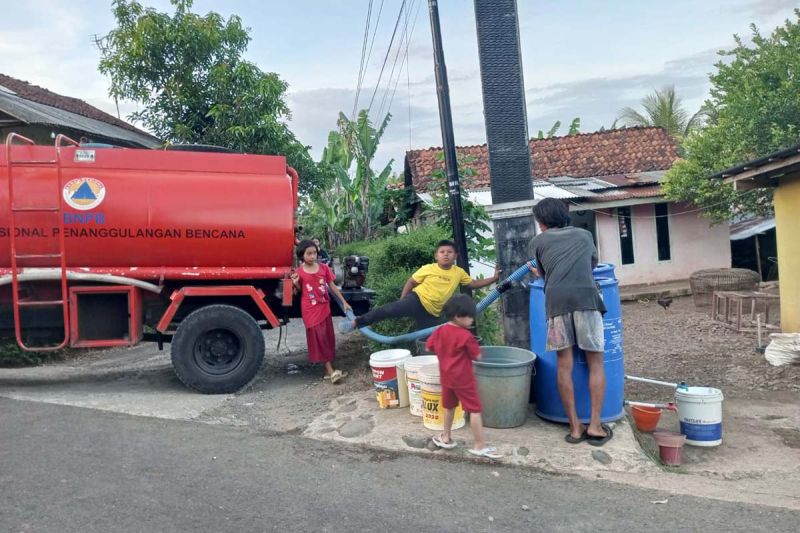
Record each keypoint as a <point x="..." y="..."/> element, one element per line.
<point x="581" y="58"/>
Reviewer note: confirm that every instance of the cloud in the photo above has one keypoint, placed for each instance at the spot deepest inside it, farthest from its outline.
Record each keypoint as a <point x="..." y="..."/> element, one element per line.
<point x="597" y="101"/>
<point x="767" y="8"/>
<point x="315" y="112"/>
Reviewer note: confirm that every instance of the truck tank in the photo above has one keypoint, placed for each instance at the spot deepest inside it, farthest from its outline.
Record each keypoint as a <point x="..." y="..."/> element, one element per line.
<point x="152" y="214"/>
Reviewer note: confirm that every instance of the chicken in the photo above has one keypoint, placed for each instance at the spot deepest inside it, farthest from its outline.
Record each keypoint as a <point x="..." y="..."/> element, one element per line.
<point x="664" y="301"/>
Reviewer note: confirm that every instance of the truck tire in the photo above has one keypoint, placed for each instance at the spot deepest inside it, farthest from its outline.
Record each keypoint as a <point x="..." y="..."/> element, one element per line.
<point x="217" y="349"/>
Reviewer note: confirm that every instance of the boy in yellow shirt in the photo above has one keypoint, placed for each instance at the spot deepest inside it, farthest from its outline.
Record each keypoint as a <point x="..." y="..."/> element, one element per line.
<point x="425" y="292"/>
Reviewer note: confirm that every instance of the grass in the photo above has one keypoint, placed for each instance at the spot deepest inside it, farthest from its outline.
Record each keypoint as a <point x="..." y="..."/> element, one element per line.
<point x="12" y="356"/>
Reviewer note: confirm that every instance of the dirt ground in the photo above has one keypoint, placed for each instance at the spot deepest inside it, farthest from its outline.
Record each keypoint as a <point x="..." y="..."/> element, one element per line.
<point x="682" y="343"/>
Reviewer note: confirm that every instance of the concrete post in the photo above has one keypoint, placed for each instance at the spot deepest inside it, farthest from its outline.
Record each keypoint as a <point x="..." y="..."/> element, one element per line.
<point x="514" y="229"/>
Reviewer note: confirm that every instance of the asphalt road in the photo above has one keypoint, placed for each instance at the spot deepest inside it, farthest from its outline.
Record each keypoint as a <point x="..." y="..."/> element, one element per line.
<point x="66" y="469"/>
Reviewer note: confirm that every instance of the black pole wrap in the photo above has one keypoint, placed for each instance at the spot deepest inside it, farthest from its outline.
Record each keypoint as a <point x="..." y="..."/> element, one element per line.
<point x="509" y="154"/>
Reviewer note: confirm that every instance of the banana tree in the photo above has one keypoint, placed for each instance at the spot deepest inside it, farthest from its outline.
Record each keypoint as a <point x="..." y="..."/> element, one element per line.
<point x="363" y="140"/>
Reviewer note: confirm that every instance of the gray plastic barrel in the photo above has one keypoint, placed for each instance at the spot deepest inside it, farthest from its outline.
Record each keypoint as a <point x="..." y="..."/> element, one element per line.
<point x="504" y="382"/>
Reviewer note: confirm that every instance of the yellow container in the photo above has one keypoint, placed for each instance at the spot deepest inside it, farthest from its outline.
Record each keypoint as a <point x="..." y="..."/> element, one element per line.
<point x="432" y="410"/>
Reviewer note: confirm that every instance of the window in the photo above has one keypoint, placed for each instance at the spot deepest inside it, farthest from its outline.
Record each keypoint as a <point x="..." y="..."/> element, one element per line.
<point x="625" y="235"/>
<point x="662" y="232"/>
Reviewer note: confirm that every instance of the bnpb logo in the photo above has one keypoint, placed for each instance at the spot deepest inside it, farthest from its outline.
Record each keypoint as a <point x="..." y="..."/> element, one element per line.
<point x="84" y="193"/>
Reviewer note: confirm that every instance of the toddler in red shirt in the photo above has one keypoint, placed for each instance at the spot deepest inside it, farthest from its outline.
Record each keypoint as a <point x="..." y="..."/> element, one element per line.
<point x="456" y="348"/>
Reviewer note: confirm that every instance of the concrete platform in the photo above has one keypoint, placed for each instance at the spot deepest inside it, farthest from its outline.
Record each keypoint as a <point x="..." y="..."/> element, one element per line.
<point x="537" y="443"/>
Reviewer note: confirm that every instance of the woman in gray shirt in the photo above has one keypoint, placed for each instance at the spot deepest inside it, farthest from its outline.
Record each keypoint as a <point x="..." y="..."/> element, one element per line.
<point x="565" y="256"/>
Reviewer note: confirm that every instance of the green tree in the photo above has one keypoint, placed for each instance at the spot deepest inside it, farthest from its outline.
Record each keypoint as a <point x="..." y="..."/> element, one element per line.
<point x="363" y="140"/>
<point x="663" y="109"/>
<point x="357" y="201"/>
<point x="188" y="76"/>
<point x="754" y="110"/>
<point x="574" y="129"/>
<point x="476" y="220"/>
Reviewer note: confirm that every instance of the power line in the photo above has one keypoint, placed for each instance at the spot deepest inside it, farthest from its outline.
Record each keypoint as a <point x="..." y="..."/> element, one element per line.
<point x="361" y="68"/>
<point x="386" y="57"/>
<point x="403" y="37"/>
<point x="374" y="33"/>
<point x="407" y="35"/>
<point x="408" y="78"/>
<point x="408" y="82"/>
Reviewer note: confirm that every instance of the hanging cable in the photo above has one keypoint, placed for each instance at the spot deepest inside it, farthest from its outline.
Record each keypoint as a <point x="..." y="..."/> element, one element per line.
<point x="361" y="68"/>
<point x="405" y="59"/>
<point x="386" y="57"/>
<point x="399" y="49"/>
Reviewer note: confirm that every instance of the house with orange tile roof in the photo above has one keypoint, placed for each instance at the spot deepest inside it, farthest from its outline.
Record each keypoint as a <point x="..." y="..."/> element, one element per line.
<point x="611" y="181"/>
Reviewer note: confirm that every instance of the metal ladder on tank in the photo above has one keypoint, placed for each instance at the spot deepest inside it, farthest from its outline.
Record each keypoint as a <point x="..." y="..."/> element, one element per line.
<point x="16" y="210"/>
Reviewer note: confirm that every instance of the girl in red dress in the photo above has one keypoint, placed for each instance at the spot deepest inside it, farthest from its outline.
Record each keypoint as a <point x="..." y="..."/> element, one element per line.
<point x="313" y="280"/>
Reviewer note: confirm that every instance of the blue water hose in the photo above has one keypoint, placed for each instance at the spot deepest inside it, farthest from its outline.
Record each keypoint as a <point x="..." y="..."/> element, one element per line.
<point x="495" y="293"/>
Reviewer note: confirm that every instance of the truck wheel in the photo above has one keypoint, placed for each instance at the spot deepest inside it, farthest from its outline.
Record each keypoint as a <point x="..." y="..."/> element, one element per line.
<point x="217" y="349"/>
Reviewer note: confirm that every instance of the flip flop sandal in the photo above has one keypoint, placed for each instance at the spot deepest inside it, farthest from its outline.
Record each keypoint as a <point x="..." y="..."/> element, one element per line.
<point x="490" y="452"/>
<point x="437" y="440"/>
<point x="599" y="441"/>
<point x="337" y="376"/>
<point x="327" y="377"/>
<point x="576" y="440"/>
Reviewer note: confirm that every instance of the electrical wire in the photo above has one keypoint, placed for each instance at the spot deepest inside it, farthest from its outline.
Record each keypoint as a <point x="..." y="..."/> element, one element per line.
<point x="372" y="41"/>
<point x="408" y="84"/>
<point x="386" y="57"/>
<point x="405" y="59"/>
<point x="361" y="69"/>
<point x="403" y="37"/>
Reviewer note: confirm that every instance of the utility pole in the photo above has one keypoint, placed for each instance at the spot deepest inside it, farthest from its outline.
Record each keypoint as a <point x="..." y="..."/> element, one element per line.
<point x="448" y="141"/>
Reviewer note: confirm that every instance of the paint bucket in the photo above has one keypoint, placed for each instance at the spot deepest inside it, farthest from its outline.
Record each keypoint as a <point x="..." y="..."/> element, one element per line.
<point x="670" y="447"/>
<point x="412" y="367"/>
<point x="384" y="376"/>
<point x="700" y="415"/>
<point x="402" y="385"/>
<point x="432" y="409"/>
<point x="646" y="418"/>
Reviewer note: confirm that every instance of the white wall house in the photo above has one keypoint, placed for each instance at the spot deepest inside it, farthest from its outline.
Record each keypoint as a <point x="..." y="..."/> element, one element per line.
<point x="611" y="182"/>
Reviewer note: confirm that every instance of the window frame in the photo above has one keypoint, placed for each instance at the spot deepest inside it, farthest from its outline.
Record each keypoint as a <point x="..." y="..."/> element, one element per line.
<point x="668" y="220"/>
<point x="629" y="222"/>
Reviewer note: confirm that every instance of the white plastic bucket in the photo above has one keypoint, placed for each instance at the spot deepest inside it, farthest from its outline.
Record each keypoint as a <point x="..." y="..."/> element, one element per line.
<point x="432" y="409"/>
<point x="700" y="415"/>
<point x="384" y="376"/>
<point x="402" y="385"/>
<point x="412" y="366"/>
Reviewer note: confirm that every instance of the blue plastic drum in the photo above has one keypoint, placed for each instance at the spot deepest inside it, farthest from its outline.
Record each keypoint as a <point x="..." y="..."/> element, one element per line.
<point x="604" y="270"/>
<point x="548" y="401"/>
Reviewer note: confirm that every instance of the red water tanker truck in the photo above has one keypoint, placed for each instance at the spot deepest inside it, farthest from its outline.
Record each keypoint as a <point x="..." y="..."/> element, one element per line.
<point x="114" y="246"/>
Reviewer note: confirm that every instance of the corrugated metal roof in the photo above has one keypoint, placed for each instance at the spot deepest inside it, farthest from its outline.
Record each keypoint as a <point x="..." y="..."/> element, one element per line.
<point x="544" y="189"/>
<point x="747" y="228"/>
<point x="34" y="113"/>
<point x="648" y="191"/>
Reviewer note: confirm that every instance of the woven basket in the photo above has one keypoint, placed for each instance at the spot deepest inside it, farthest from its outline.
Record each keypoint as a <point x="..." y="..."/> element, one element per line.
<point x="705" y="282"/>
